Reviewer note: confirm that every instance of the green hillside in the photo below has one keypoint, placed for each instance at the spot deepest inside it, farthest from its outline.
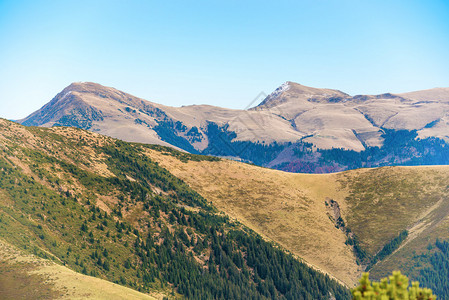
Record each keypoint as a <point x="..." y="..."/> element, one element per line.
<point x="103" y="208"/>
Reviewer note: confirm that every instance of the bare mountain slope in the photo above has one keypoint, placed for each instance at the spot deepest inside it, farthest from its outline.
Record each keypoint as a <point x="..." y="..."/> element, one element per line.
<point x="117" y="114"/>
<point x="334" y="119"/>
<point x="323" y="117"/>
<point x="101" y="109"/>
<point x="436" y="94"/>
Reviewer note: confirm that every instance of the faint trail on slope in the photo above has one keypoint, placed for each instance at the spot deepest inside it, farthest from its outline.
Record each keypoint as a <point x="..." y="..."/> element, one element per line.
<point x="388" y="119"/>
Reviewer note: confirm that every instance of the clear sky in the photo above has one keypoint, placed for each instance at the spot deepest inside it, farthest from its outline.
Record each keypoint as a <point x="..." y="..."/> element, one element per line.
<point x="218" y="52"/>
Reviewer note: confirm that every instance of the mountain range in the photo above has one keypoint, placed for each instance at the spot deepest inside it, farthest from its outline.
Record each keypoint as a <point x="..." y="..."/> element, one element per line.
<point x="104" y="184"/>
<point x="296" y="128"/>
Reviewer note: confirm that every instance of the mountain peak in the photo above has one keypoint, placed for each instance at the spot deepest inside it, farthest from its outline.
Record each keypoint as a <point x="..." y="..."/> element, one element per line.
<point x="69" y="104"/>
<point x="81" y="86"/>
<point x="291" y="91"/>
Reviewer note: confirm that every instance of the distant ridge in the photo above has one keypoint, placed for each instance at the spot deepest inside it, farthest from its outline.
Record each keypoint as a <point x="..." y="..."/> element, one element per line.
<point x="291" y="115"/>
<point x="435" y="94"/>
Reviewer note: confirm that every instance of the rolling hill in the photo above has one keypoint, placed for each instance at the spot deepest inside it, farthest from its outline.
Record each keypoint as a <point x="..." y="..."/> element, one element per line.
<point x="301" y="211"/>
<point x="296" y="128"/>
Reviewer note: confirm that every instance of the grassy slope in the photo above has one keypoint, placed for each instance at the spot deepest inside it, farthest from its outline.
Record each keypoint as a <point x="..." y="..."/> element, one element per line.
<point x="90" y="202"/>
<point x="25" y="276"/>
<point x="42" y="207"/>
<point x="412" y="198"/>
<point x="289" y="208"/>
<point x="284" y="207"/>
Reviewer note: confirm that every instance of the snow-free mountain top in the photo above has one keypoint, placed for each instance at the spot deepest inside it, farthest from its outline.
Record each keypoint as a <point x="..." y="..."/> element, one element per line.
<point x="118" y="114"/>
<point x="436" y="94"/>
<point x="98" y="108"/>
<point x="324" y="117"/>
<point x="291" y="92"/>
<point x="336" y="119"/>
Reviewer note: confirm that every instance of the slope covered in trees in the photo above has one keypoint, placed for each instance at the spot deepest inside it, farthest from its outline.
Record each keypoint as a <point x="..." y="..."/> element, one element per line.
<point x="434" y="270"/>
<point x="400" y="148"/>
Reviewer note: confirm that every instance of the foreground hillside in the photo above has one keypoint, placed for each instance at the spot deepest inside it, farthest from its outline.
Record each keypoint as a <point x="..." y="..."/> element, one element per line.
<point x="296" y="128"/>
<point x="25" y="276"/>
<point x="148" y="217"/>
<point x="337" y="222"/>
<point x="104" y="208"/>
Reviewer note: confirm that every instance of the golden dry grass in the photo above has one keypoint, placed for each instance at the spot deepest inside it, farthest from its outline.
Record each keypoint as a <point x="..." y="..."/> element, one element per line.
<point x="38" y="278"/>
<point x="290" y="208"/>
<point x="284" y="207"/>
<point x="385" y="201"/>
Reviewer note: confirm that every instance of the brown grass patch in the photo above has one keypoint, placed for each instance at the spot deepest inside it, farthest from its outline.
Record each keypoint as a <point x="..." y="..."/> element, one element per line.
<point x="24" y="276"/>
<point x="284" y="207"/>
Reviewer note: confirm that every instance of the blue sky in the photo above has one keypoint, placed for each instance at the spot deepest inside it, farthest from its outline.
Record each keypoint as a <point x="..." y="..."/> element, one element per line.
<point x="218" y="52"/>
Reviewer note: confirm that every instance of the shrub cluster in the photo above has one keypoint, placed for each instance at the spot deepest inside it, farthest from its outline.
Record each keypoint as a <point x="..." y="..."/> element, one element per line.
<point x="396" y="287"/>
